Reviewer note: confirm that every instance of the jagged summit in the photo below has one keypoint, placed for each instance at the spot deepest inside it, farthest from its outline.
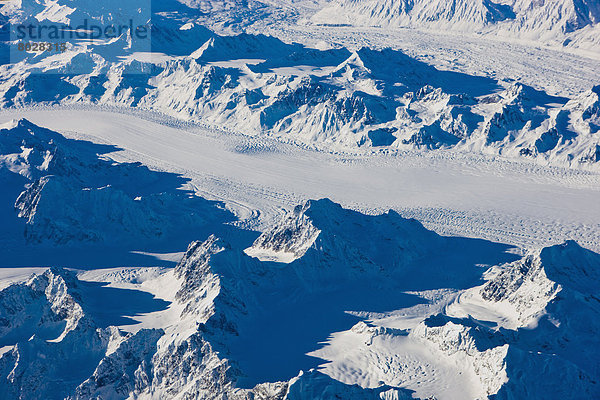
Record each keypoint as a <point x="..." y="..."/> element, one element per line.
<point x="387" y="240"/>
<point x="523" y="321"/>
<point x="334" y="99"/>
<point x="223" y="298"/>
<point x="157" y="292"/>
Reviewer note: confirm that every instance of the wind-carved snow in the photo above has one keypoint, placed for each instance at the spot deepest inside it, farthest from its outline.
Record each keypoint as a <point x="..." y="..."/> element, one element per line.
<point x="186" y="361"/>
<point x="234" y="310"/>
<point x="377" y="301"/>
<point x="540" y="299"/>
<point x="460" y="344"/>
<point x="227" y="310"/>
<point x="493" y="361"/>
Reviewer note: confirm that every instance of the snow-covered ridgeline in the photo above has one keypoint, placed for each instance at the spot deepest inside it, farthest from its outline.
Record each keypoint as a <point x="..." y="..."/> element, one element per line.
<point x="333" y="98"/>
<point x="532" y="318"/>
<point x="573" y="23"/>
<point x="151" y="363"/>
<point x="103" y="201"/>
<point x="219" y="293"/>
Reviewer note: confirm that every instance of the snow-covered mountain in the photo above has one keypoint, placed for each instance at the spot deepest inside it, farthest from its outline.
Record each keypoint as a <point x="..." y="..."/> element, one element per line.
<point x="64" y="195"/>
<point x="543" y="309"/>
<point x="226" y="323"/>
<point x="329" y="98"/>
<point x="325" y="303"/>
<point x="135" y="265"/>
<point x="563" y="22"/>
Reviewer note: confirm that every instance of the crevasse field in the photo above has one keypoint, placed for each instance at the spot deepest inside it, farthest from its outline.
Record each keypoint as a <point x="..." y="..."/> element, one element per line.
<point x="347" y="199"/>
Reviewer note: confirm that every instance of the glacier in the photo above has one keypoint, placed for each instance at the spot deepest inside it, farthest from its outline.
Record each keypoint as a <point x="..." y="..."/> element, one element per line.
<point x="335" y="98"/>
<point x="301" y="200"/>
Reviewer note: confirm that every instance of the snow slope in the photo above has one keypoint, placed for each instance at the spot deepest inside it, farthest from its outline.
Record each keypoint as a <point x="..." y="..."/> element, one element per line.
<point x="335" y="98"/>
<point x="564" y="22"/>
<point x="365" y="306"/>
<point x="204" y="332"/>
<point x="176" y="360"/>
<point x="63" y="195"/>
<point x="121" y="158"/>
<point x="451" y="192"/>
